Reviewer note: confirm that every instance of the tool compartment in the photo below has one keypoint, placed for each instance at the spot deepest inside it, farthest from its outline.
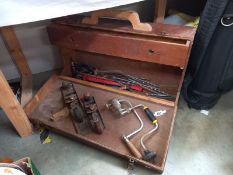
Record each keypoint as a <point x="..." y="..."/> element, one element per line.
<point x="169" y="80"/>
<point x="159" y="56"/>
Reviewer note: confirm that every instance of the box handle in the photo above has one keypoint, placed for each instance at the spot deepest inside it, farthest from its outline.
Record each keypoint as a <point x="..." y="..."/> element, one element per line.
<point x="130" y="16"/>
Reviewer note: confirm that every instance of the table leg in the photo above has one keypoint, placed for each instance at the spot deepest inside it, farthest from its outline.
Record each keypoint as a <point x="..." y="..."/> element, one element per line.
<point x="160" y="9"/>
<point x="13" y="109"/>
<point x="18" y="57"/>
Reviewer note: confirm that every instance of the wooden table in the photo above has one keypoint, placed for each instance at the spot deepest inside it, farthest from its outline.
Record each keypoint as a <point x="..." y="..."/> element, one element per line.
<point x="8" y="102"/>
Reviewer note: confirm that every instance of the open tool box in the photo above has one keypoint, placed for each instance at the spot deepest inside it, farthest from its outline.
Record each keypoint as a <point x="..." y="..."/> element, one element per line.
<point x="158" y="54"/>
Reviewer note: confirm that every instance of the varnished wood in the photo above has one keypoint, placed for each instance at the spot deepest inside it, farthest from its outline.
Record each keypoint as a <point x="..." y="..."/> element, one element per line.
<point x="160" y="9"/>
<point x="183" y="74"/>
<point x="41" y="94"/>
<point x="173" y="52"/>
<point x="110" y="140"/>
<point x="167" y="77"/>
<point x="18" y="57"/>
<point x="162" y="32"/>
<point x="13" y="109"/>
<point x="67" y="56"/>
<point x="135" y="152"/>
<point x="131" y="16"/>
<point x="127" y="93"/>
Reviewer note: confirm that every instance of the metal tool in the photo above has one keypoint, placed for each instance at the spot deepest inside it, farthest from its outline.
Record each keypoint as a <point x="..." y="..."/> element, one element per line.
<point x="148" y="154"/>
<point x="111" y="82"/>
<point x="162" y="95"/>
<point x="100" y="80"/>
<point x="93" y="114"/>
<point x="116" y="106"/>
<point x="119" y="79"/>
<point x="72" y="101"/>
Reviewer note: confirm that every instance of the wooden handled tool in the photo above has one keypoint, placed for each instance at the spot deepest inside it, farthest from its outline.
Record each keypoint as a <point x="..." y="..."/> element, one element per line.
<point x="132" y="148"/>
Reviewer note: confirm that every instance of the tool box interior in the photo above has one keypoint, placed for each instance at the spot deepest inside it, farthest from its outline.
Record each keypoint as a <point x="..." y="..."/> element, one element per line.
<point x="159" y="56"/>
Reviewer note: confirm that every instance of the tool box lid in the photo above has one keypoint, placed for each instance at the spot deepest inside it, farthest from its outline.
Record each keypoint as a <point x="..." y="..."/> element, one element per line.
<point x="158" y="29"/>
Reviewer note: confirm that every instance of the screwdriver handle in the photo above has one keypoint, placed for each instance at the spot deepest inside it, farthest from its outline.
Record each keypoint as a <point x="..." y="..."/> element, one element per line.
<point x="150" y="115"/>
<point x="136" y="88"/>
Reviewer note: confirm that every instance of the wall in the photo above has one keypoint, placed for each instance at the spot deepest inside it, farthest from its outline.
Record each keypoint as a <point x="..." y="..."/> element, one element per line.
<point x="41" y="56"/>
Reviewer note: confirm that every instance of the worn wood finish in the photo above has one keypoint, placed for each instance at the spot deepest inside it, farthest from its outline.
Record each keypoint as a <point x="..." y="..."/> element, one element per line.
<point x="40" y="95"/>
<point x="110" y="140"/>
<point x="163" y="32"/>
<point x="12" y="108"/>
<point x="128" y="46"/>
<point x="18" y="57"/>
<point x="115" y="46"/>
<point x="160" y="9"/>
<point x="67" y="56"/>
<point x="183" y="75"/>
<point x="126" y="93"/>
<point x="131" y="16"/>
<point x="167" y="77"/>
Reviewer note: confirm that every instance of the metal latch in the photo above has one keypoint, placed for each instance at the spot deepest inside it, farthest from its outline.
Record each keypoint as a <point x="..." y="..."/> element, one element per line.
<point x="130" y="166"/>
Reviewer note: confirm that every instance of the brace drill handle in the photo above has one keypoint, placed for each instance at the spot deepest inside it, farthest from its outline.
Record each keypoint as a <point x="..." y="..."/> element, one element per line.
<point x="132" y="148"/>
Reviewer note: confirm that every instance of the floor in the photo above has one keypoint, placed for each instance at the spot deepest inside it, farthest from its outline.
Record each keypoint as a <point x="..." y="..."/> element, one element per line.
<point x="200" y="145"/>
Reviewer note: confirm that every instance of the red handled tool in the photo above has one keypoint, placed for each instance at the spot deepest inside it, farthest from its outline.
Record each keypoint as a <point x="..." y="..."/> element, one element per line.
<point x="136" y="88"/>
<point x="100" y="80"/>
<point x="105" y="81"/>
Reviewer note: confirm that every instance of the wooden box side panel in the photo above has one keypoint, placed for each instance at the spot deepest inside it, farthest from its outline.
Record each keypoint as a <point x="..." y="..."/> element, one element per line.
<point x="162" y="75"/>
<point x="41" y="94"/>
<point x="167" y="77"/>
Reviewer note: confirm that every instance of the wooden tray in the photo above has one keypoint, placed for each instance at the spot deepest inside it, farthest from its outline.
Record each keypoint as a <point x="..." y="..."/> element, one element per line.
<point x="49" y="100"/>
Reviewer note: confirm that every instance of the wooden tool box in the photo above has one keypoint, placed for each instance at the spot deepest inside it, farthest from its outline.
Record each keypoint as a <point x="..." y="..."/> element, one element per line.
<point x="159" y="55"/>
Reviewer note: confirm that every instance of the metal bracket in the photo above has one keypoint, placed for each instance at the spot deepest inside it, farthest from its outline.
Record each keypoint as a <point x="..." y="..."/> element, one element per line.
<point x="130" y="166"/>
